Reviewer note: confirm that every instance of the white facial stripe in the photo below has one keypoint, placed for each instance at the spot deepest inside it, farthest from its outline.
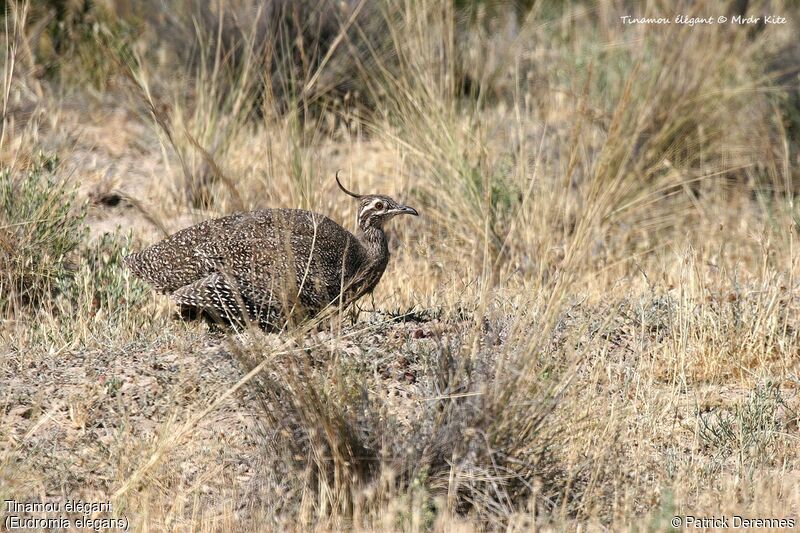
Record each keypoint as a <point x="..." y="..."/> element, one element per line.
<point x="370" y="207"/>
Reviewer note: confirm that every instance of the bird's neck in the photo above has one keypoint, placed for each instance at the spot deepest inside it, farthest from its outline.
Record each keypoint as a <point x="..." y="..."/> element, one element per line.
<point x="374" y="240"/>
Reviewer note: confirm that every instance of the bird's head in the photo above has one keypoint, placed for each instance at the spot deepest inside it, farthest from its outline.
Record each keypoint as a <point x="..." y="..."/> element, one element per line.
<point x="375" y="209"/>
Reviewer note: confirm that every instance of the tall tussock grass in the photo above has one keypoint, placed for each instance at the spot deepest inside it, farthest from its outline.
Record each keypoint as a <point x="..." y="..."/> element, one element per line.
<point x="606" y="243"/>
<point x="348" y="457"/>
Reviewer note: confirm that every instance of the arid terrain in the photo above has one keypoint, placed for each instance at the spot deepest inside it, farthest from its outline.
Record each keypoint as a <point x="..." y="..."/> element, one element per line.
<point x="594" y="323"/>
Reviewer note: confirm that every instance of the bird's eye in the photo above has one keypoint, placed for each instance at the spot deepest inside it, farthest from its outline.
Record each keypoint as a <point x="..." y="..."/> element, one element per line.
<point x="379" y="205"/>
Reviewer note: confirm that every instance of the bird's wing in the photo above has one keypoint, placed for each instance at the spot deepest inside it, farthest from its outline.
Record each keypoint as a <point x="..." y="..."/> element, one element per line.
<point x="215" y="293"/>
<point x="220" y="255"/>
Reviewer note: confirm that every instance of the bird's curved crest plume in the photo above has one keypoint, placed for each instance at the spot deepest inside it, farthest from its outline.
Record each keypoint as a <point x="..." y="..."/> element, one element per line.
<point x="354" y="195"/>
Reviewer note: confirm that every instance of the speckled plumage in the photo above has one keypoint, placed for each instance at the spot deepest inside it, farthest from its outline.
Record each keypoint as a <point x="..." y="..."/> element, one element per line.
<point x="280" y="264"/>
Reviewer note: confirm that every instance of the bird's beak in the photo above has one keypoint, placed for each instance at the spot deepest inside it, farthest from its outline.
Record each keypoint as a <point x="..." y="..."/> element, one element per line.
<point x="405" y="210"/>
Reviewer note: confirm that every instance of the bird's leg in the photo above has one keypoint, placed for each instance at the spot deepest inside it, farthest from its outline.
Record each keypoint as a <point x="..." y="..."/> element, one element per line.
<point x="354" y="311"/>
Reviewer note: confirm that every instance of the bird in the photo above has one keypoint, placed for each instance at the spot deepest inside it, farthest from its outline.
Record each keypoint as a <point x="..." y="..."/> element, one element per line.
<point x="271" y="266"/>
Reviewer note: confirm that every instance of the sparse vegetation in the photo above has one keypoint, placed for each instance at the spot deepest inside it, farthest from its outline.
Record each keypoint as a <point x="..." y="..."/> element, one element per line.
<point x="593" y="325"/>
<point x="41" y="224"/>
<point x="748" y="430"/>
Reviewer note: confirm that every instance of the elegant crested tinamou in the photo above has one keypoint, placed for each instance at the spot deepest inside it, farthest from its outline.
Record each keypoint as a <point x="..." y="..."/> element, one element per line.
<point x="270" y="266"/>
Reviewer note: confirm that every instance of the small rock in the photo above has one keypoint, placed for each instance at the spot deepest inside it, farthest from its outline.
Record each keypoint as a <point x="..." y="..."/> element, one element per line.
<point x="23" y="411"/>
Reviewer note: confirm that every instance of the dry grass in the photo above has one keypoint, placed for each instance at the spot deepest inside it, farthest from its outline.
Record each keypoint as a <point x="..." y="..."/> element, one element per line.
<point x="593" y="324"/>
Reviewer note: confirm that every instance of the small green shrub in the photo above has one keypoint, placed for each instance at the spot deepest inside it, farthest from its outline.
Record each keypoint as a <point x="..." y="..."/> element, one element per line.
<point x="102" y="287"/>
<point x="40" y="227"/>
<point x="748" y="431"/>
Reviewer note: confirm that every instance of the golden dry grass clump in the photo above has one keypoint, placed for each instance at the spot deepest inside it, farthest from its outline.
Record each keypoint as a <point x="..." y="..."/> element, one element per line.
<point x="594" y="324"/>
